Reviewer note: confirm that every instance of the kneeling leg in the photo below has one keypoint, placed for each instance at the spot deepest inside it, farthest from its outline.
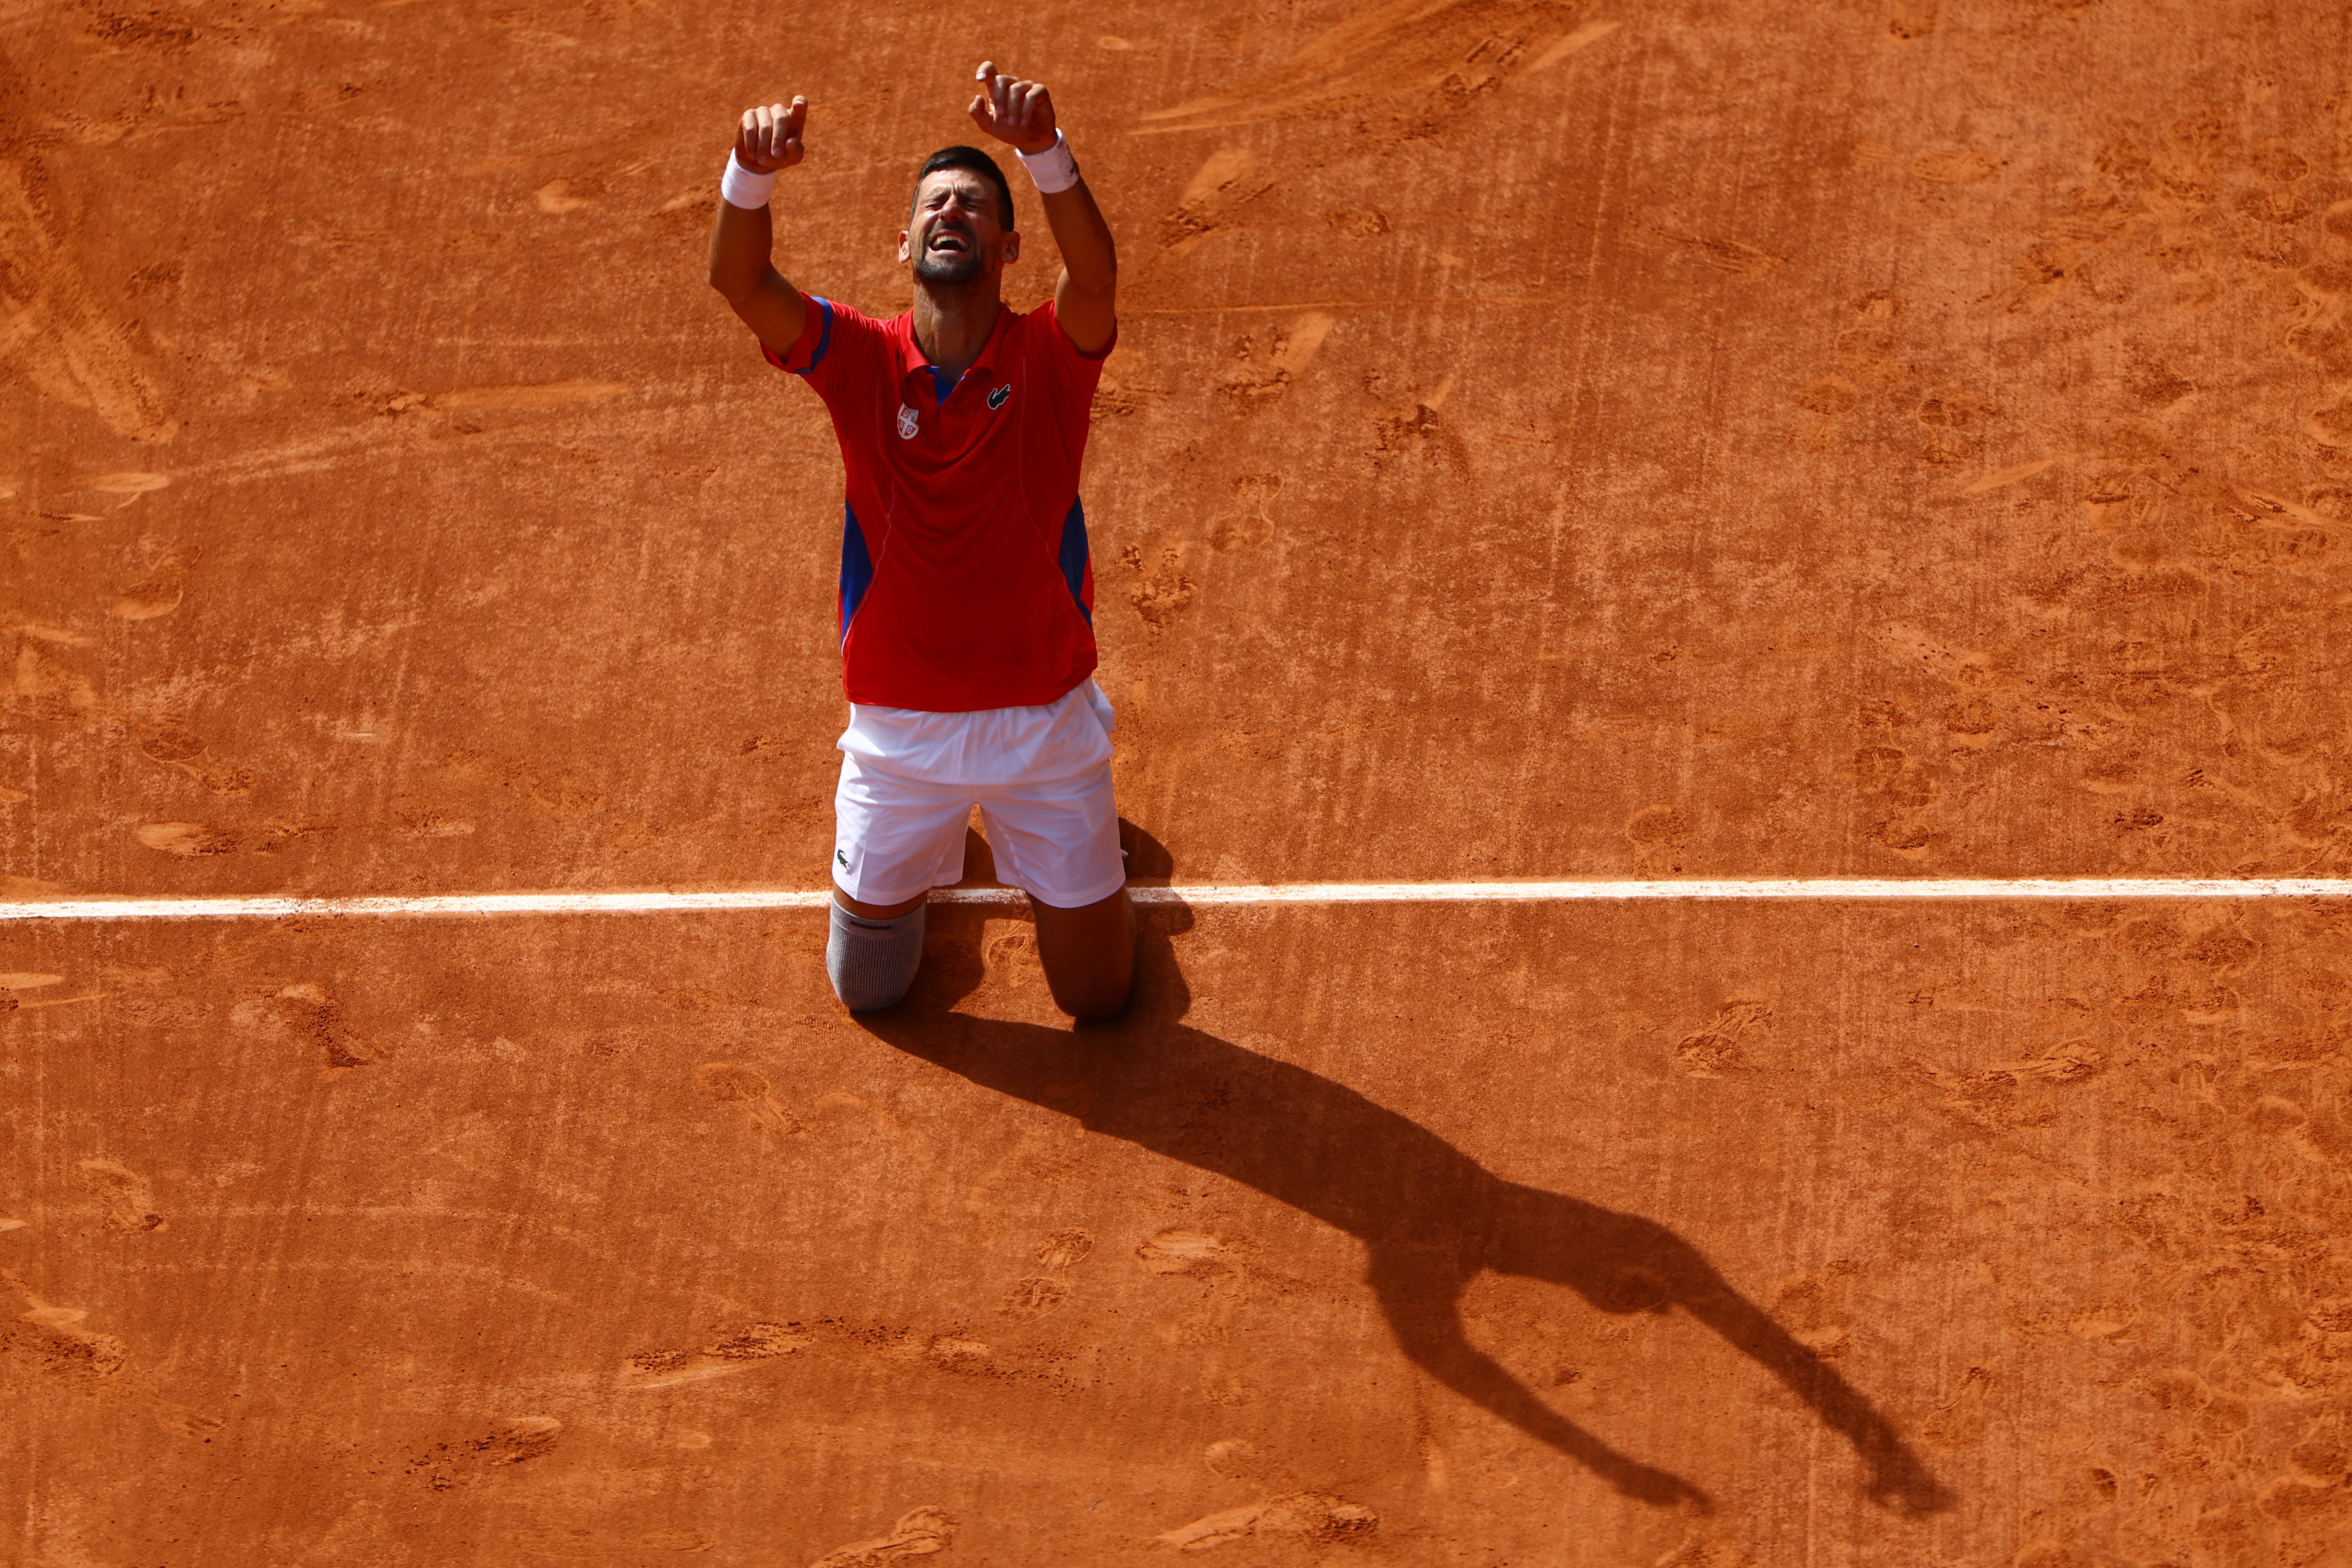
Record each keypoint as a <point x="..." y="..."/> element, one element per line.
<point x="873" y="952"/>
<point x="1089" y="953"/>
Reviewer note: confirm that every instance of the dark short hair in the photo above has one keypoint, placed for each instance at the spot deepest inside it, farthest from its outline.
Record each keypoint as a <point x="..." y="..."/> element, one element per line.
<point x="979" y="162"/>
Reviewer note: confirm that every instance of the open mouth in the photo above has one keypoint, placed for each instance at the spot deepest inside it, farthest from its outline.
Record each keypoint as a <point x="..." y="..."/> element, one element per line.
<point x="947" y="242"/>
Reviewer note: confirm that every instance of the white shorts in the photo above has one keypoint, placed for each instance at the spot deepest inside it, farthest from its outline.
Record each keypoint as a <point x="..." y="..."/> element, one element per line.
<point x="896" y="839"/>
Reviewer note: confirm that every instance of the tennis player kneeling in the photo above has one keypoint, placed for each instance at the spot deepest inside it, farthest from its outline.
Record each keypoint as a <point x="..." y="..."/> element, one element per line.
<point x="967" y="594"/>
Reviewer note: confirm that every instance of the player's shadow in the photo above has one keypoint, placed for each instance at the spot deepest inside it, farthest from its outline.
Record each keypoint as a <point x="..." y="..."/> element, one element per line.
<point x="1430" y="1216"/>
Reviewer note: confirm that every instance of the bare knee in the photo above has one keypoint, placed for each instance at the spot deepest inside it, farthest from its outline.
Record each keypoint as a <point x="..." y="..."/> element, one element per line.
<point x="1088" y="955"/>
<point x="1093" y="997"/>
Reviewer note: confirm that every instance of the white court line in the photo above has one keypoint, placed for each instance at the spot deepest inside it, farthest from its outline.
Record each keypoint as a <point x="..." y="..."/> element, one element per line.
<point x="1828" y="888"/>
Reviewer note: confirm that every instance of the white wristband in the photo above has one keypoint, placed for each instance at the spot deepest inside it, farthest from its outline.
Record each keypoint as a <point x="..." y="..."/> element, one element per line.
<point x="743" y="188"/>
<point x="1053" y="169"/>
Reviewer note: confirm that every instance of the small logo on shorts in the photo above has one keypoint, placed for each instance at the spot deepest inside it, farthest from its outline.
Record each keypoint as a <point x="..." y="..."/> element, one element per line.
<point x="909" y="423"/>
<point x="842" y="856"/>
<point x="996" y="399"/>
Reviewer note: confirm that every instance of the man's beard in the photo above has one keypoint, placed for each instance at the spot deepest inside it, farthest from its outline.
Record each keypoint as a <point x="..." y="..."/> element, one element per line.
<point x="933" y="267"/>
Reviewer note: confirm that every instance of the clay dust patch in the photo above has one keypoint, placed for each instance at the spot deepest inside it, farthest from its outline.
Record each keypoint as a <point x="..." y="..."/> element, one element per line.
<point x="553" y="796"/>
<point x="726" y="1352"/>
<point x="559" y="196"/>
<point x="514" y="1441"/>
<point x="60" y="1342"/>
<point x="42" y="631"/>
<point x="1315" y="1515"/>
<point x="1162" y="594"/>
<point x="48" y="1341"/>
<point x="1434" y="54"/>
<point x="202" y="838"/>
<point x="1060" y="1249"/>
<point x="603" y="1544"/>
<point x="308" y="1016"/>
<point x="184" y="838"/>
<point x="1195" y="1253"/>
<point x="1239" y="1460"/>
<point x="542" y="394"/>
<point x="57" y="336"/>
<point x="732" y="1083"/>
<point x="130" y="486"/>
<point x="130" y="1201"/>
<point x="917" y="1534"/>
<point x="1033" y="1297"/>
<point x="2004" y="477"/>
<point x="1038" y="1294"/>
<point x="1249" y="523"/>
<point x="160" y="592"/>
<point x="53" y="690"/>
<point x="1725" y="255"/>
<point x="1965" y="166"/>
<point x="2330" y="425"/>
<point x="54" y="1343"/>
<point x="2028" y="1093"/>
<point x="1715" y="1050"/>
<point x="190" y="754"/>
<point x="1271" y="362"/>
<point x="1226" y="181"/>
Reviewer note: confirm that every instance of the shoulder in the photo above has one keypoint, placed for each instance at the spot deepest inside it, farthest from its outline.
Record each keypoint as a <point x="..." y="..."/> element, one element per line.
<point x="852" y="325"/>
<point x="1043" y="332"/>
<point x="833" y="336"/>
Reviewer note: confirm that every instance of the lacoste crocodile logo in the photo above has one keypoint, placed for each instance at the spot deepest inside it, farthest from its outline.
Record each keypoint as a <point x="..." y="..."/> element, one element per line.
<point x="996" y="399"/>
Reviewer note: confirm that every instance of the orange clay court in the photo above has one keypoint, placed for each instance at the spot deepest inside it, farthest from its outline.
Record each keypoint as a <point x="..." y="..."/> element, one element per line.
<point x="1692" y="442"/>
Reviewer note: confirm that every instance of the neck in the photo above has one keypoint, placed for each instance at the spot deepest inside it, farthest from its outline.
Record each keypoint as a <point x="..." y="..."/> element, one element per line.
<point x="952" y="321"/>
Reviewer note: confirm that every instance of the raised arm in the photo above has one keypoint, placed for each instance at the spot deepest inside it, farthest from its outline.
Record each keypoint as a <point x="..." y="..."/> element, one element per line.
<point x="1021" y="114"/>
<point x="742" y="241"/>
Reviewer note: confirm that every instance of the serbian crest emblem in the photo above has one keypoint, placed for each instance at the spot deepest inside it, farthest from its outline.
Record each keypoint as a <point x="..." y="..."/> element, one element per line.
<point x="909" y="423"/>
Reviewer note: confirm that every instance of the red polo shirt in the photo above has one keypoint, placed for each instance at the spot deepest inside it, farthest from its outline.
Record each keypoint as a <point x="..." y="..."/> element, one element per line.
<point x="964" y="578"/>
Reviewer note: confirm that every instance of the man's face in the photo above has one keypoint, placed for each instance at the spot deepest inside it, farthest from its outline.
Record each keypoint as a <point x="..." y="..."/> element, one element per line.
<point x="956" y="234"/>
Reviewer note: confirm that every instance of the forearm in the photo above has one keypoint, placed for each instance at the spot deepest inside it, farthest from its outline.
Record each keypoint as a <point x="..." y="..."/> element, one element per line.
<point x="742" y="242"/>
<point x="1090" y="255"/>
<point x="743" y="238"/>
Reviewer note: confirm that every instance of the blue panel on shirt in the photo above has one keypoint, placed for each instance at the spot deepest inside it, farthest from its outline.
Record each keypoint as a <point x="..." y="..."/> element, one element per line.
<point x="824" y="336"/>
<point x="856" y="569"/>
<point x="1073" y="555"/>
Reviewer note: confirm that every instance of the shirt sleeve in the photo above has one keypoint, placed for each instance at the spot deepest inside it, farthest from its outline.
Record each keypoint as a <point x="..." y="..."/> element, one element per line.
<point x="832" y="338"/>
<point x="811" y="347"/>
<point x="1079" y="372"/>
